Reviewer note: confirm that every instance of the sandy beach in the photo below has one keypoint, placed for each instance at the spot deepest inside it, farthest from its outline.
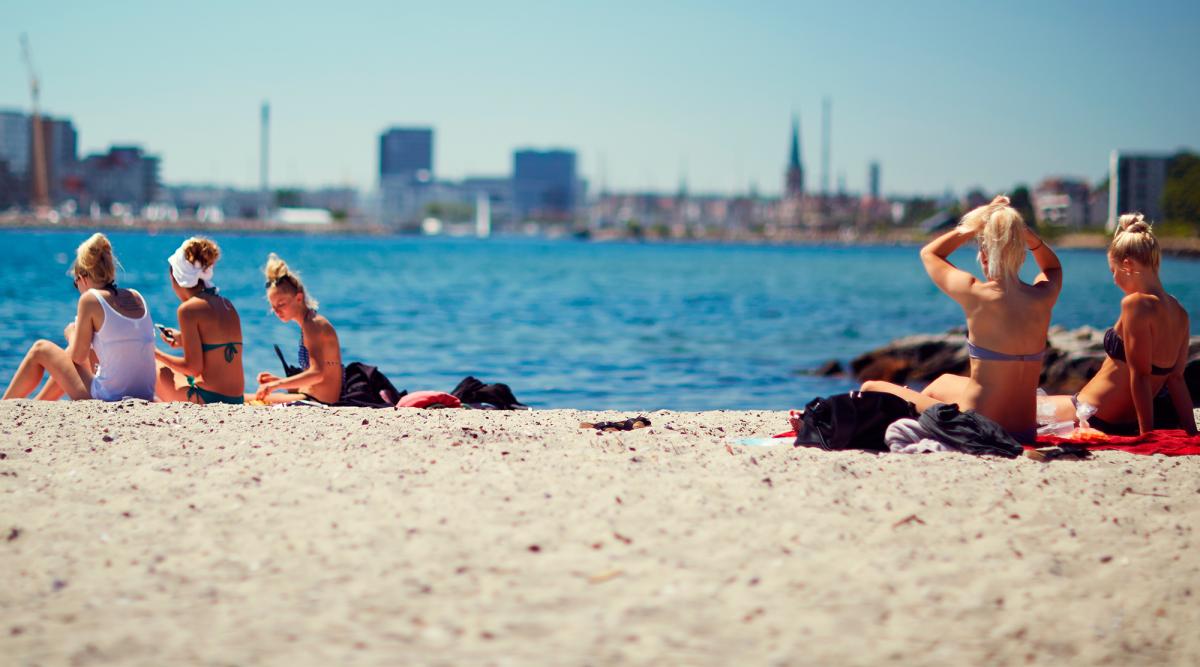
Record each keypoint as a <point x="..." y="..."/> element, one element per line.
<point x="138" y="533"/>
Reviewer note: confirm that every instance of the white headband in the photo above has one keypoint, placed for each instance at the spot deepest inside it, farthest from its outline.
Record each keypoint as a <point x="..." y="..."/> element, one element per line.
<point x="186" y="273"/>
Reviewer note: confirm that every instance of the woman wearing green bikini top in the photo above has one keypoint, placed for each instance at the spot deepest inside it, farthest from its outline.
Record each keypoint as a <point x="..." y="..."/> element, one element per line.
<point x="210" y="333"/>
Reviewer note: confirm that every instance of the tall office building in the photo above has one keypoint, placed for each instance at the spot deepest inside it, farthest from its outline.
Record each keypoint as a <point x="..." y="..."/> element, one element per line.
<point x="59" y="145"/>
<point x="1140" y="180"/>
<point x="545" y="187"/>
<point x="406" y="152"/>
<point x="15" y="141"/>
<point x="793" y="186"/>
<point x="873" y="180"/>
<point x="405" y="173"/>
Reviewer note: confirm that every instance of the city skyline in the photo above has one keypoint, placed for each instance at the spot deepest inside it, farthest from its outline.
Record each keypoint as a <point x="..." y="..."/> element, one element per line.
<point x="703" y="95"/>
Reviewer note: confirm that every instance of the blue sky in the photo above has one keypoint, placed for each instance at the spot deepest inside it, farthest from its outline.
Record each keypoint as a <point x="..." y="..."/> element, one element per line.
<point x="943" y="94"/>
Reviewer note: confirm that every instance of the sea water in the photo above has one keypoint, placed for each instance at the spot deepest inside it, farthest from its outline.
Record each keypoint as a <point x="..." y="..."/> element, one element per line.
<point x="632" y="326"/>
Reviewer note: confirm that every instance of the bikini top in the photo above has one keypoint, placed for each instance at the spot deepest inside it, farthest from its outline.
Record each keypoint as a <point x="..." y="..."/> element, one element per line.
<point x="983" y="354"/>
<point x="230" y="349"/>
<point x="1114" y="347"/>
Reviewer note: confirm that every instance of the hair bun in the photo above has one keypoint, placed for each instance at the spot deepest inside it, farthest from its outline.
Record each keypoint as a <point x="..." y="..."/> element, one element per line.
<point x="1133" y="223"/>
<point x="276" y="268"/>
<point x="1000" y="200"/>
<point x="202" y="251"/>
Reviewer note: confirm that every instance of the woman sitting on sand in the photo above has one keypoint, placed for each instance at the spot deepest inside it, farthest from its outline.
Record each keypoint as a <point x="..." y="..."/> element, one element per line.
<point x="320" y="356"/>
<point x="210" y="333"/>
<point x="1007" y="319"/>
<point x="1147" y="348"/>
<point x="110" y="345"/>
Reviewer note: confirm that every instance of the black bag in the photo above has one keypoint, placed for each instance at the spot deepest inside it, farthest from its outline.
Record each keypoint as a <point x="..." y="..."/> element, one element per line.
<point x="288" y="369"/>
<point x="475" y="393"/>
<point x="365" y="386"/>
<point x="856" y="420"/>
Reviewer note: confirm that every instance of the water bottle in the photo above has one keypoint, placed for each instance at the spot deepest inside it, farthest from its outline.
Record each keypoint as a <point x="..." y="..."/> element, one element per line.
<point x="1083" y="411"/>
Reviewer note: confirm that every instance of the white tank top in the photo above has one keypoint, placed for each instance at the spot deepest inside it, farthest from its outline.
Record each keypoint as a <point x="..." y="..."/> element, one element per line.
<point x="125" y="347"/>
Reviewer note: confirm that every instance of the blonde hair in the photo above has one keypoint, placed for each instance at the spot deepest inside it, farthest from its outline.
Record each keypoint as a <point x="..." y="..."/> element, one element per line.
<point x="202" y="251"/>
<point x="94" y="259"/>
<point x="1134" y="239"/>
<point x="280" y="276"/>
<point x="1000" y="231"/>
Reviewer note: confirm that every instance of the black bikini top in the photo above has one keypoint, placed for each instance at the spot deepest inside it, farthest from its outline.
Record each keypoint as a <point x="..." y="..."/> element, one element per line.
<point x="1114" y="347"/>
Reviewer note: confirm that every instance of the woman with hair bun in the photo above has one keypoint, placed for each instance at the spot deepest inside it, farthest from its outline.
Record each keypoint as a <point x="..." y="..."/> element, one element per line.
<point x="320" y="354"/>
<point x="1007" y="319"/>
<point x="1147" y="349"/>
<point x="110" y="345"/>
<point x="209" y="333"/>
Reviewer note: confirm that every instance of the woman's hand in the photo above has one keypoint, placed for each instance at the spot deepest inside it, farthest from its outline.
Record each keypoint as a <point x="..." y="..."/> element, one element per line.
<point x="171" y="337"/>
<point x="266" y="377"/>
<point x="265" y="388"/>
<point x="970" y="226"/>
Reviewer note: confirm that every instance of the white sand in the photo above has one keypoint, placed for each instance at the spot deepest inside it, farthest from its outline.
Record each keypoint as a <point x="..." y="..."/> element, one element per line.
<point x="176" y="534"/>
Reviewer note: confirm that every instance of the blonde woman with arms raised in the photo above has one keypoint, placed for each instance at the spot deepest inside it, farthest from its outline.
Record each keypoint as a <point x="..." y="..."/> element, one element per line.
<point x="1147" y="349"/>
<point x="1007" y="319"/>
<point x="209" y="333"/>
<point x="320" y="354"/>
<point x="110" y="345"/>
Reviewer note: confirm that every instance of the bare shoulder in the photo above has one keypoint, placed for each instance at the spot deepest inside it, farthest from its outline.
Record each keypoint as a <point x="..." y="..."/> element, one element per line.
<point x="320" y="327"/>
<point x="1139" y="305"/>
<point x="89" y="300"/>
<point x="192" y="307"/>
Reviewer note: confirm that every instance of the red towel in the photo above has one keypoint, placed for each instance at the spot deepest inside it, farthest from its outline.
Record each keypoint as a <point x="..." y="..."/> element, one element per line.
<point x="1173" y="442"/>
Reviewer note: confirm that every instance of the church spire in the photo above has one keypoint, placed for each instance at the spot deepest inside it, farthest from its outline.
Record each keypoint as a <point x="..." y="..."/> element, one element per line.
<point x="793" y="184"/>
<point x="794" y="161"/>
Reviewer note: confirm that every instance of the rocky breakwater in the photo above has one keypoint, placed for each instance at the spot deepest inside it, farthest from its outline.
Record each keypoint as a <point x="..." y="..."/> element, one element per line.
<point x="1072" y="357"/>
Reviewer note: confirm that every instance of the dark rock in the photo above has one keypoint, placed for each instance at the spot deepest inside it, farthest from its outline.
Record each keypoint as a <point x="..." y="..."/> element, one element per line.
<point x="829" y="368"/>
<point x="1073" y="356"/>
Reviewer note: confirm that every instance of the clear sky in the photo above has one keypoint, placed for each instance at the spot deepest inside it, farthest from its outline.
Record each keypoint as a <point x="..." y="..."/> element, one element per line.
<point x="944" y="94"/>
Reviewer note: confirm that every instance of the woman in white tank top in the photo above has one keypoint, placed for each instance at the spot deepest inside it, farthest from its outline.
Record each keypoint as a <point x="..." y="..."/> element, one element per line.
<point x="110" y="351"/>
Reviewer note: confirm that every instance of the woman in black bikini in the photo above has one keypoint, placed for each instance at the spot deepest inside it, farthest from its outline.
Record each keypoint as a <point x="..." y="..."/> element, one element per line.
<point x="1147" y="348"/>
<point x="320" y="357"/>
<point x="1007" y="319"/>
<point x="210" y="333"/>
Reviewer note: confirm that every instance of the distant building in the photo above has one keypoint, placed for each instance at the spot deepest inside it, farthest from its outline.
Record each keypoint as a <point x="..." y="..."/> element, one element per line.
<point x="793" y="185"/>
<point x="1098" y="207"/>
<point x="15" y="141"/>
<point x="1139" y="182"/>
<point x="406" y="152"/>
<point x="544" y="187"/>
<point x="497" y="189"/>
<point x="123" y="175"/>
<point x="16" y="157"/>
<point x="62" y="159"/>
<point x="1061" y="201"/>
<point x="873" y="180"/>
<point x="405" y="173"/>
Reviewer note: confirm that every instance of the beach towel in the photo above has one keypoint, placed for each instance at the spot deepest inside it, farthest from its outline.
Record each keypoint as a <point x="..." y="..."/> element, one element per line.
<point x="1169" y="442"/>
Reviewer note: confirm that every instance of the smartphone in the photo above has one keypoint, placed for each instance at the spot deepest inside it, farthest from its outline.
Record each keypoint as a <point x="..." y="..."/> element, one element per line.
<point x="166" y="333"/>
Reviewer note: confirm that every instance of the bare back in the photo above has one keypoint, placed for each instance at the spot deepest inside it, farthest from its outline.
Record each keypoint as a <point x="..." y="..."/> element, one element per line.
<point x="1167" y="335"/>
<point x="219" y="329"/>
<point x="1012" y="320"/>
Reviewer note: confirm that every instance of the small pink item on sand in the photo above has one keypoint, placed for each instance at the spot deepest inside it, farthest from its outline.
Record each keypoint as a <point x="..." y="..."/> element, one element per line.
<point x="429" y="400"/>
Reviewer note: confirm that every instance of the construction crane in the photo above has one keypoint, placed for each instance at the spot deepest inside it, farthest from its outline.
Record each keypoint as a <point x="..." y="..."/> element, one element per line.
<point x="41" y="195"/>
